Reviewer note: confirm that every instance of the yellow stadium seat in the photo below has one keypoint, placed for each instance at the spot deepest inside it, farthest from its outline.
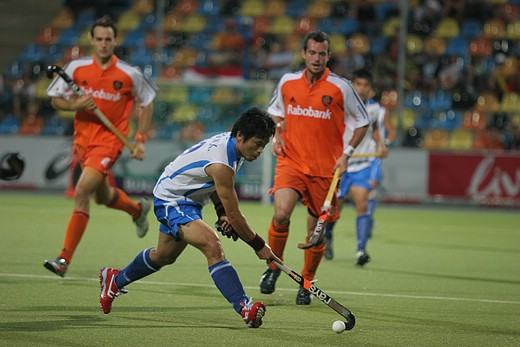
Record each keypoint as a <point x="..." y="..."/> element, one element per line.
<point x="414" y="44"/>
<point x="177" y="94"/>
<point x="143" y="7"/>
<point x="359" y="43"/>
<point x="194" y="23"/>
<point x="510" y="103"/>
<point x="185" y="57"/>
<point x="447" y="28"/>
<point x="184" y="113"/>
<point x="338" y="44"/>
<point x="513" y="30"/>
<point x="390" y="26"/>
<point x="173" y="22"/>
<point x="282" y="25"/>
<point x="460" y="139"/>
<point x="128" y="21"/>
<point x="252" y="8"/>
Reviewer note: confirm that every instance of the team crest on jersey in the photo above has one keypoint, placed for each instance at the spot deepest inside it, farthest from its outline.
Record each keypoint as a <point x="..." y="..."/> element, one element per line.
<point x="326" y="100"/>
<point x="117" y="85"/>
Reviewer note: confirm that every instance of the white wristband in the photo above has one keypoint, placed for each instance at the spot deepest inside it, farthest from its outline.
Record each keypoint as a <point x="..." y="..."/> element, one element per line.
<point x="349" y="151"/>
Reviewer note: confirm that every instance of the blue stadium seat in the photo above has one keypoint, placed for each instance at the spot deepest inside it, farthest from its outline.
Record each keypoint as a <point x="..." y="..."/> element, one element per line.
<point x="9" y="124"/>
<point x="135" y="38"/>
<point x="69" y="37"/>
<point x="208" y="7"/>
<point x="148" y="22"/>
<point x="470" y="28"/>
<point x="378" y="45"/>
<point x="440" y="100"/>
<point x="54" y="126"/>
<point x="450" y="120"/>
<point x="33" y="52"/>
<point x="349" y="26"/>
<point x="457" y="47"/>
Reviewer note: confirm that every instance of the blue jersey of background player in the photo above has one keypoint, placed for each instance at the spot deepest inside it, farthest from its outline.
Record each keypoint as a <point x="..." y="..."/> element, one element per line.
<point x="355" y="182"/>
<point x="203" y="173"/>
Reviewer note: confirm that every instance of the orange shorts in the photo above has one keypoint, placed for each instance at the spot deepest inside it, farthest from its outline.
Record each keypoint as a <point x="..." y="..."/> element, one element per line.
<point x="99" y="158"/>
<point x="312" y="189"/>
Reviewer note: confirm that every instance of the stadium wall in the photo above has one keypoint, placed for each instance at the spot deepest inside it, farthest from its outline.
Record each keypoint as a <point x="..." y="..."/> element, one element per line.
<point x="410" y="175"/>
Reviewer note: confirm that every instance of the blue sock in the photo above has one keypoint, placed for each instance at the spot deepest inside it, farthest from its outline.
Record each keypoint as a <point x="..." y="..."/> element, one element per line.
<point x="227" y="281"/>
<point x="362" y="230"/>
<point x="371" y="210"/>
<point x="328" y="230"/>
<point x="140" y="267"/>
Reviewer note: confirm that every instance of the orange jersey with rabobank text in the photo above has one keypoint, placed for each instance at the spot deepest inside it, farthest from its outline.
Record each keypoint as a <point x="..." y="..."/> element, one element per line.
<point x="112" y="89"/>
<point x="315" y="119"/>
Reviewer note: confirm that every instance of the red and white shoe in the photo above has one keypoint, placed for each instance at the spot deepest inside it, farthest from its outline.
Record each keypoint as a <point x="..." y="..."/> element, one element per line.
<point x="109" y="289"/>
<point x="253" y="313"/>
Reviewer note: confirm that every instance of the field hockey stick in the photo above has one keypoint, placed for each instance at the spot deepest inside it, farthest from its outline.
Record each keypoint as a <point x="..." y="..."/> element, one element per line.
<point x="317" y="235"/>
<point x="51" y="69"/>
<point x="320" y="294"/>
<point x="365" y="155"/>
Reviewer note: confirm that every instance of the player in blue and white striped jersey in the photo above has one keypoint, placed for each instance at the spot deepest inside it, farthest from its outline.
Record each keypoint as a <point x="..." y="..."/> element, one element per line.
<point x="355" y="182"/>
<point x="201" y="174"/>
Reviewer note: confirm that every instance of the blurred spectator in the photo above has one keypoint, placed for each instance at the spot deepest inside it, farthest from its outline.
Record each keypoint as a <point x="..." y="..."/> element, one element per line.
<point x="489" y="138"/>
<point x="279" y="60"/>
<point x="227" y="46"/>
<point x="24" y="95"/>
<point x="32" y="123"/>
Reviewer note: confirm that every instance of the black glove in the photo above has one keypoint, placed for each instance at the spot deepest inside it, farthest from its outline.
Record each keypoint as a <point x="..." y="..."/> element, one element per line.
<point x="232" y="234"/>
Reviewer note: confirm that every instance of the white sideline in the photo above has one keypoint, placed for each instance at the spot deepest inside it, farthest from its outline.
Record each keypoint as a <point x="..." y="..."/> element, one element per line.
<point x="335" y="292"/>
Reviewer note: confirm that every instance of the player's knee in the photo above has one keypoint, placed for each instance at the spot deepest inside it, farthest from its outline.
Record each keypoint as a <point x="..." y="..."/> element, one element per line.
<point x="282" y="217"/>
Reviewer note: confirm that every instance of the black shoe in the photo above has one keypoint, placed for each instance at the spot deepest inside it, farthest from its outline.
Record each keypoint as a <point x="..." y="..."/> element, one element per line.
<point x="303" y="297"/>
<point x="328" y="249"/>
<point x="362" y="258"/>
<point x="268" y="280"/>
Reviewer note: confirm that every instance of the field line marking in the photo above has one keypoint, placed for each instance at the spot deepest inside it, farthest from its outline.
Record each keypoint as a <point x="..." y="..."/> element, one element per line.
<point x="181" y="284"/>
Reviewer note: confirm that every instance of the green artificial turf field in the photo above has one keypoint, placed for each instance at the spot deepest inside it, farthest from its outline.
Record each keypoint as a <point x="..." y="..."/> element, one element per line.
<point x="438" y="277"/>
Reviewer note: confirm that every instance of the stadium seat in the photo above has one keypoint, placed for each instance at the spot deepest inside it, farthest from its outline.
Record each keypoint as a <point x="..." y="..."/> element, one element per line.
<point x="173" y="22"/>
<point x="281" y="25"/>
<point x="143" y="7"/>
<point x="513" y="30"/>
<point x="414" y="44"/>
<point x="390" y="26"/>
<point x="303" y="25"/>
<point x="85" y="19"/>
<point x="480" y="47"/>
<point x="184" y="113"/>
<point x="470" y="29"/>
<point x="460" y="139"/>
<point x="9" y="124"/>
<point x="407" y="119"/>
<point x="359" y="43"/>
<point x="194" y="23"/>
<point x="54" y="126"/>
<point x="295" y="9"/>
<point x="378" y="45"/>
<point x="32" y="53"/>
<point x="389" y="99"/>
<point x="385" y="9"/>
<point x="69" y="36"/>
<point x="487" y="102"/>
<point x="135" y="38"/>
<point x="415" y="99"/>
<point x="252" y="8"/>
<point x="319" y="9"/>
<point x="31" y="125"/>
<point x="209" y="7"/>
<point x="436" y="139"/>
<point x="261" y="25"/>
<point x="426" y="119"/>
<point x="48" y="36"/>
<point x="440" y="100"/>
<point x="349" y="26"/>
<point x="447" y="28"/>
<point x="457" y="46"/>
<point x="63" y="20"/>
<point x="174" y="95"/>
<point x="148" y="22"/>
<point x="275" y="8"/>
<point x="474" y="120"/>
<point x="171" y="72"/>
<point x="435" y="46"/>
<point x="449" y="120"/>
<point x="510" y="103"/>
<point x="494" y="28"/>
<point x="186" y="7"/>
<point x="128" y="20"/>
<point x="338" y="44"/>
<point x="507" y="11"/>
<point x="200" y="95"/>
<point x="185" y="57"/>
